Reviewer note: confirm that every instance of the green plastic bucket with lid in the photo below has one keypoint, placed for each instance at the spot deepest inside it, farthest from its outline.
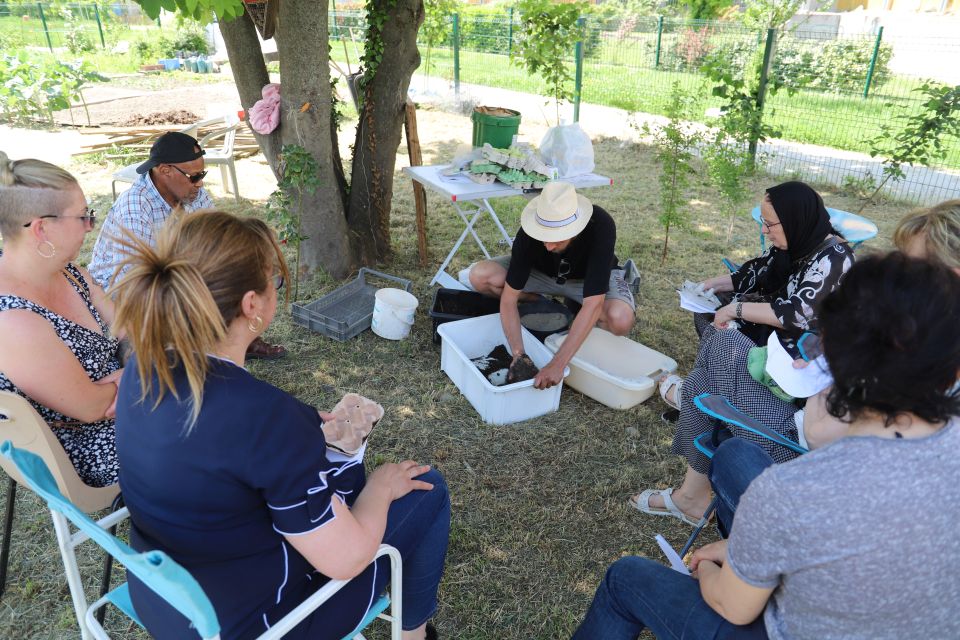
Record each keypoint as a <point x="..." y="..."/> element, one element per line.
<point x="494" y="125"/>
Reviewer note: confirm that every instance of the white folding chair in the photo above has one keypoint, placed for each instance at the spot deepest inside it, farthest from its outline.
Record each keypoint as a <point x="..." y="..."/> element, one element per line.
<point x="220" y="155"/>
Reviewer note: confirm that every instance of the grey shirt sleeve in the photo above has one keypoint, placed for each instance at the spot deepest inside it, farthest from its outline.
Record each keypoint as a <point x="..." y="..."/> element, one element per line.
<point x="764" y="545"/>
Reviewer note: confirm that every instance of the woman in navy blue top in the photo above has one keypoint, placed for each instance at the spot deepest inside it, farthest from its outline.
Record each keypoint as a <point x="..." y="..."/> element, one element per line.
<point x="231" y="476"/>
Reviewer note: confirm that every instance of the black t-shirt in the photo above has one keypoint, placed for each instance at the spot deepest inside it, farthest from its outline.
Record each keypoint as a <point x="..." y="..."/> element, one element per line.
<point x="590" y="256"/>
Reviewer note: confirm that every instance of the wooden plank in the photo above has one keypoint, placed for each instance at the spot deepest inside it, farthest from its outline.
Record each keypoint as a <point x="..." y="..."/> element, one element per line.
<point x="419" y="194"/>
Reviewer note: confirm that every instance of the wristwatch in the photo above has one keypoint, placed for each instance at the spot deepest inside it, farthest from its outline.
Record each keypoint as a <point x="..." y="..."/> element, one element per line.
<point x="739" y="311"/>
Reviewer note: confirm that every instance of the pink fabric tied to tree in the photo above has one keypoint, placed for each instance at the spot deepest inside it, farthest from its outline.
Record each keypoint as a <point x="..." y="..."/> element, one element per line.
<point x="265" y="114"/>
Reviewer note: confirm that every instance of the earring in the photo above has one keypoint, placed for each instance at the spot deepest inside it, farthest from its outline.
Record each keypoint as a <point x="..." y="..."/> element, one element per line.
<point x="258" y="327"/>
<point x="53" y="250"/>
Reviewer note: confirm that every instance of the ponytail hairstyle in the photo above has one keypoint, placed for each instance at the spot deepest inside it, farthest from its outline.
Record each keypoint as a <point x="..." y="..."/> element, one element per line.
<point x="34" y="173"/>
<point x="177" y="300"/>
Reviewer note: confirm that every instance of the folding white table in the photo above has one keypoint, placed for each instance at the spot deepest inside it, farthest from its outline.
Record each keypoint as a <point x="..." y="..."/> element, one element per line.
<point x="471" y="200"/>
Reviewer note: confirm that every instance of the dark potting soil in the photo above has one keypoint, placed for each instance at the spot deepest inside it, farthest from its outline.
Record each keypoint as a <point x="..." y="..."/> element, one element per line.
<point x="495" y="367"/>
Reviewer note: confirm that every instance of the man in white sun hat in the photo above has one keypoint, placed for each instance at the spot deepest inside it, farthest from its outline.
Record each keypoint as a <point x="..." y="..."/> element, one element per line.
<point x="564" y="247"/>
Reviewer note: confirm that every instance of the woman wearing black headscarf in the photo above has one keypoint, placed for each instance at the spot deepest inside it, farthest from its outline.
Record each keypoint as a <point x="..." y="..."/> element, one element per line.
<point x="777" y="291"/>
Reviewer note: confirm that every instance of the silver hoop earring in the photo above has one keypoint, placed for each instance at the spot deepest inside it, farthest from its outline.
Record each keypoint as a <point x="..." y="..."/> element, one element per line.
<point x="53" y="250"/>
<point x="258" y="327"/>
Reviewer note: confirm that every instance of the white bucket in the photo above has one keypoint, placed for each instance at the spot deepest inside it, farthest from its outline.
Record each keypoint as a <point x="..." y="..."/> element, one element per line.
<point x="393" y="311"/>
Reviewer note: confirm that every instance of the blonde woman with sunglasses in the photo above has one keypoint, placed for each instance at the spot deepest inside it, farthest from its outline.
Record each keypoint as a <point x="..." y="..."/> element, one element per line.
<point x="56" y="347"/>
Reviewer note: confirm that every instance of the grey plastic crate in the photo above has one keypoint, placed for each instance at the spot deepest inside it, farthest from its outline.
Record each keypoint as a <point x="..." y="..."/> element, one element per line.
<point x="345" y="312"/>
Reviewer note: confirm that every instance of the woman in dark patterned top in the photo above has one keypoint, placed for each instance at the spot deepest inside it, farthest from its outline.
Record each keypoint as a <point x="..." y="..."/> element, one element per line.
<point x="56" y="348"/>
<point x="778" y="291"/>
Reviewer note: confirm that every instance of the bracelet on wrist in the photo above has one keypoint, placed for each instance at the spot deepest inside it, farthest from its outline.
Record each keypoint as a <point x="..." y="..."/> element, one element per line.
<point x="739" y="311"/>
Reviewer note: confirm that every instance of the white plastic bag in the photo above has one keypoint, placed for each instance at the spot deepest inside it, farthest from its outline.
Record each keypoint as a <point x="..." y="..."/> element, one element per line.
<point x="568" y="148"/>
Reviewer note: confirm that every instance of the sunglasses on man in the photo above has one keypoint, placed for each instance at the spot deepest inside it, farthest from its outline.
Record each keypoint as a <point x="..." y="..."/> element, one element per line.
<point x="194" y="178"/>
<point x="563" y="271"/>
<point x="89" y="217"/>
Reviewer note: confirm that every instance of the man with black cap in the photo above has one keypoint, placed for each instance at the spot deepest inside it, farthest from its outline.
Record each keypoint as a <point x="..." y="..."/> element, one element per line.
<point x="171" y="177"/>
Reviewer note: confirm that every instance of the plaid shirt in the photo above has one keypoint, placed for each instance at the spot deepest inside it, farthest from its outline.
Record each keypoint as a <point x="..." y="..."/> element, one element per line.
<point x="141" y="210"/>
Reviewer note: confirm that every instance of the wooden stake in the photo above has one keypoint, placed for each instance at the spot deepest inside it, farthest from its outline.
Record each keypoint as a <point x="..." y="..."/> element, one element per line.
<point x="419" y="194"/>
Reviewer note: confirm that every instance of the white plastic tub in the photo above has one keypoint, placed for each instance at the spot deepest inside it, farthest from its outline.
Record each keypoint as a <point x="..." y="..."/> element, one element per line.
<point x="476" y="337"/>
<point x="614" y="370"/>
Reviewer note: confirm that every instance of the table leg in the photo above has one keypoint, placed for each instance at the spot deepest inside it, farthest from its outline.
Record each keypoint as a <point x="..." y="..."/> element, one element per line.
<point x="463" y="236"/>
<point x="469" y="224"/>
<point x="496" y="220"/>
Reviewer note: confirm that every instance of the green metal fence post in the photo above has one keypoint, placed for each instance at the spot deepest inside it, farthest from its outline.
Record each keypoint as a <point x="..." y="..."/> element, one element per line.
<point x="43" y="21"/>
<point x="578" y="77"/>
<point x="656" y="56"/>
<point x="456" y="55"/>
<point x="96" y="13"/>
<point x="332" y="19"/>
<point x="762" y="89"/>
<point x="873" y="63"/>
<point x="510" y="34"/>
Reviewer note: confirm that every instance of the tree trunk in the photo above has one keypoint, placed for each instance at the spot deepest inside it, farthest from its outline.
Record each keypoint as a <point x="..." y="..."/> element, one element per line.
<point x="306" y="120"/>
<point x="380" y="126"/>
<point x="250" y="75"/>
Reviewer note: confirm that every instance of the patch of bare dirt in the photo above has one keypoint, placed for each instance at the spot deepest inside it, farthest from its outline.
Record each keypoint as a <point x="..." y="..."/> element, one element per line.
<point x="176" y="116"/>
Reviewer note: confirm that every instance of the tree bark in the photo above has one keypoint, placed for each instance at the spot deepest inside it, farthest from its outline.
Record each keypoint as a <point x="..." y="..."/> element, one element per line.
<point x="250" y="75"/>
<point x="379" y="129"/>
<point x="306" y="120"/>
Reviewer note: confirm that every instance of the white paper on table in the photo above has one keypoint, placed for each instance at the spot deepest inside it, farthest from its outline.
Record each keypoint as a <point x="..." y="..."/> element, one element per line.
<point x="676" y="562"/>
<point x="800" y="383"/>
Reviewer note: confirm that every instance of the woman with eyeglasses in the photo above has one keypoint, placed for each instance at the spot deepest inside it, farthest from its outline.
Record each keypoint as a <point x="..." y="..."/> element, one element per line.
<point x="775" y="292"/>
<point x="232" y="476"/>
<point x="54" y="317"/>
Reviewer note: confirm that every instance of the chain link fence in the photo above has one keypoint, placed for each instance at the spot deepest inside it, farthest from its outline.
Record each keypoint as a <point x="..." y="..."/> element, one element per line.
<point x="73" y="26"/>
<point x="843" y="87"/>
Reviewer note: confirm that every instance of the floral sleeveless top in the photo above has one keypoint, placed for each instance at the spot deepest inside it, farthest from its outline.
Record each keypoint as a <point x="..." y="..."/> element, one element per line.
<point x="90" y="446"/>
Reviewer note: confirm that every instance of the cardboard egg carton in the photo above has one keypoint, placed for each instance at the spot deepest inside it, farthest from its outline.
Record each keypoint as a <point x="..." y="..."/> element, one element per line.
<point x="521" y="157"/>
<point x="353" y="419"/>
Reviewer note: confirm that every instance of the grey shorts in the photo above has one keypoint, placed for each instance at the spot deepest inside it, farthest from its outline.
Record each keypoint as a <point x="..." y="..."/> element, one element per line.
<point x="541" y="283"/>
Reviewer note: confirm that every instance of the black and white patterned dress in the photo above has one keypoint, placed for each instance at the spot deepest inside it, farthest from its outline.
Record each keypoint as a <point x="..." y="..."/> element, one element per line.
<point x="721" y="365"/>
<point x="90" y="446"/>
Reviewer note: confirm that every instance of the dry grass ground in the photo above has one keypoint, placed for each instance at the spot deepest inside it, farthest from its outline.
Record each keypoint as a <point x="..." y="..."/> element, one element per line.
<point x="539" y="508"/>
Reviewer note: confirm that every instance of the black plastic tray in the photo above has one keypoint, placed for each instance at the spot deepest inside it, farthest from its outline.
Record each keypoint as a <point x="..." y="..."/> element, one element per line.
<point x="456" y="304"/>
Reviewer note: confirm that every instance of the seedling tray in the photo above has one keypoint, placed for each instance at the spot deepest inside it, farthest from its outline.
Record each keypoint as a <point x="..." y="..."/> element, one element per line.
<point x="345" y="312"/>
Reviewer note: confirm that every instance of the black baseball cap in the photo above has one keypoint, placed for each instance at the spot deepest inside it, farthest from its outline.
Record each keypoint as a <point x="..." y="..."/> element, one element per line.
<point x="172" y="148"/>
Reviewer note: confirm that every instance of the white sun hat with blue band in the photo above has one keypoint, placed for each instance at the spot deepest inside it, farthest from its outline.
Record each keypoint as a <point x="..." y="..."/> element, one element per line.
<point x="557" y="214"/>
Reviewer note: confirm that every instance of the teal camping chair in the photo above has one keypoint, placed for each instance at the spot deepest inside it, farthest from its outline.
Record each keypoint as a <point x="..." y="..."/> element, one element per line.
<point x="23" y="426"/>
<point x="161" y="573"/>
<point x="856" y="229"/>
<point x="725" y="413"/>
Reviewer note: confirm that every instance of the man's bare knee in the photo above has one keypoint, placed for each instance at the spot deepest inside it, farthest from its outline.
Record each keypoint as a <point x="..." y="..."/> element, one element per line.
<point x="618" y="317"/>
<point x="488" y="277"/>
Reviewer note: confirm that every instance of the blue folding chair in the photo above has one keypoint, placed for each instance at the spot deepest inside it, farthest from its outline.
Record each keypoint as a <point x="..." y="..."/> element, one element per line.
<point x="162" y="574"/>
<point x="725" y="413"/>
<point x="856" y="229"/>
